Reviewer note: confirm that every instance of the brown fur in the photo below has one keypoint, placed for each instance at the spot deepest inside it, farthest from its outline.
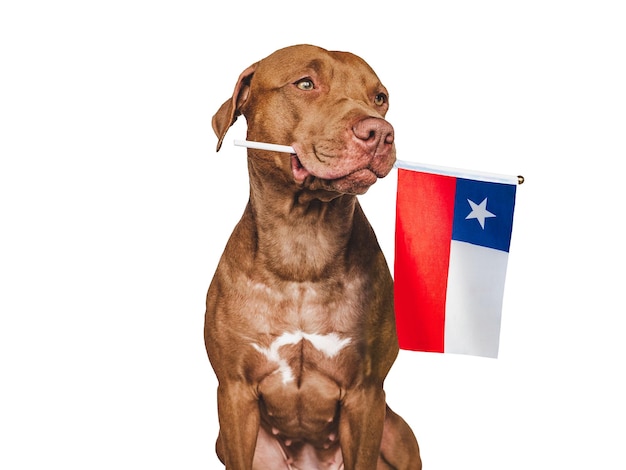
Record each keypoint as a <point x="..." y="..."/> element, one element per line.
<point x="300" y="324"/>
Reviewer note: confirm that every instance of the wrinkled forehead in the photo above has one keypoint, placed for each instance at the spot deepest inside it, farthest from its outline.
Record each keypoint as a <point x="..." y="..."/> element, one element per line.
<point x="291" y="64"/>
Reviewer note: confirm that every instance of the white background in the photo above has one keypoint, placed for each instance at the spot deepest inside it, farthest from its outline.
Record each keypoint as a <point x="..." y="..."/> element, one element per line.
<point x="114" y="210"/>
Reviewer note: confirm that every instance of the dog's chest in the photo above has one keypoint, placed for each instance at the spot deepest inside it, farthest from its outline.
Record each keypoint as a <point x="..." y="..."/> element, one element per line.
<point x="294" y="352"/>
<point x="303" y="352"/>
<point x="303" y="328"/>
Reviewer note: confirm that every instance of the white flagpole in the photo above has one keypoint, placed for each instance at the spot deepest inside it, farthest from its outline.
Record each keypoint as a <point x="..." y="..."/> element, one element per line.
<point x="460" y="173"/>
<point x="440" y="170"/>
<point x="265" y="146"/>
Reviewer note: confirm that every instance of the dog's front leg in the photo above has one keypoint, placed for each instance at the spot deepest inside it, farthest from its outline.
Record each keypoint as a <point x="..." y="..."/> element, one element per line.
<point x="239" y="419"/>
<point x="361" y="421"/>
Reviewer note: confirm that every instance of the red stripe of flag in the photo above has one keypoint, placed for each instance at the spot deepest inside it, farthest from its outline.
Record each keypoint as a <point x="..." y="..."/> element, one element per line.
<point x="424" y="215"/>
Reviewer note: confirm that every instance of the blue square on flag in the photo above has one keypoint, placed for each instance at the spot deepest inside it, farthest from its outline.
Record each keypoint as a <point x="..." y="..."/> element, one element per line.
<point x="483" y="213"/>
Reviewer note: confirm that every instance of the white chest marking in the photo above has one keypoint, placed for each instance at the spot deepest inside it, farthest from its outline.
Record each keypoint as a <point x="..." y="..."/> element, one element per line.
<point x="330" y="345"/>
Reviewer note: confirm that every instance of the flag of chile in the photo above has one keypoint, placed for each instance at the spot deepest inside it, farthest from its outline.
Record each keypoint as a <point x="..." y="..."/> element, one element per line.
<point x="452" y="245"/>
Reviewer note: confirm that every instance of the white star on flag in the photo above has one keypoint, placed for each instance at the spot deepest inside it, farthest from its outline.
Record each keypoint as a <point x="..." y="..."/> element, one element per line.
<point x="479" y="212"/>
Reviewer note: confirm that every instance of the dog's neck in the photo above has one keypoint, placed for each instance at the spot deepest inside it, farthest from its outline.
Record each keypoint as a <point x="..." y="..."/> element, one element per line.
<point x="301" y="234"/>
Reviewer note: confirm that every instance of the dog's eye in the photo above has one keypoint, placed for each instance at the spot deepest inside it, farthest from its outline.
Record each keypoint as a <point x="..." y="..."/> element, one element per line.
<point x="305" y="84"/>
<point x="380" y="99"/>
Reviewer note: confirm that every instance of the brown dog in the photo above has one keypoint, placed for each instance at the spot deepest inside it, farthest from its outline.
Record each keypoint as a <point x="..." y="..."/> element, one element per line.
<point x="300" y="322"/>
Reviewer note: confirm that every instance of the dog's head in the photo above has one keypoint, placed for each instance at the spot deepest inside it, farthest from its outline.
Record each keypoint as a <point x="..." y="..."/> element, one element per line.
<point x="328" y="106"/>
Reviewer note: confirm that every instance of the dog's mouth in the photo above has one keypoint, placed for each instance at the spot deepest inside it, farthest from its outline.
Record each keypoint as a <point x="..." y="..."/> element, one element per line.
<point x="300" y="174"/>
<point x="354" y="181"/>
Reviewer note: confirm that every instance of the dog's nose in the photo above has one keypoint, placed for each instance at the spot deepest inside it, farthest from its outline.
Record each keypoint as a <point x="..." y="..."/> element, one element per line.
<point x="375" y="133"/>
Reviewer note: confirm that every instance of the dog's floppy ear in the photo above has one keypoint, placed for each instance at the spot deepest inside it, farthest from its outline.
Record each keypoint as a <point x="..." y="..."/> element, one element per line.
<point x="231" y="109"/>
